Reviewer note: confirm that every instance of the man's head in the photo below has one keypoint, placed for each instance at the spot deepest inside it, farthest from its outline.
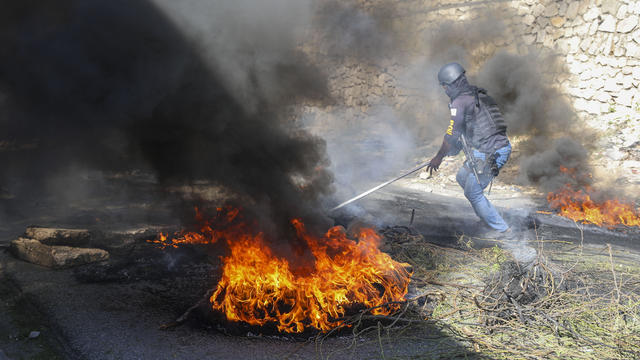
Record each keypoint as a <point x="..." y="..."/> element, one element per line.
<point x="453" y="80"/>
<point x="450" y="73"/>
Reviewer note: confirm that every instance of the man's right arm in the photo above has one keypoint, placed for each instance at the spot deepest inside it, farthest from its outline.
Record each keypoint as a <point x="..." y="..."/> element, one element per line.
<point x="454" y="130"/>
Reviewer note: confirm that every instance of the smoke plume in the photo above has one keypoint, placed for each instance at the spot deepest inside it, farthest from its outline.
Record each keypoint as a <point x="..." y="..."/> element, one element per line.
<point x="116" y="86"/>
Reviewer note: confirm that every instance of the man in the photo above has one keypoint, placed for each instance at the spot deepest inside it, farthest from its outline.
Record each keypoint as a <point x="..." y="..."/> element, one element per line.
<point x="476" y="117"/>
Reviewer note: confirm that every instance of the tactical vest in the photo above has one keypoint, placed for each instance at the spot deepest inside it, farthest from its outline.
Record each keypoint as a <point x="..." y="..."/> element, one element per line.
<point x="485" y="123"/>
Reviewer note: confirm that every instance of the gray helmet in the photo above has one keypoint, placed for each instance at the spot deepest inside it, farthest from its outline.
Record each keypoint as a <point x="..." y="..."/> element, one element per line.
<point x="450" y="73"/>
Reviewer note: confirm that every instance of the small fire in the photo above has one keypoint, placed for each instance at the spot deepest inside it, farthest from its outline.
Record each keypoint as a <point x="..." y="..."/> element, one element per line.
<point x="258" y="287"/>
<point x="578" y="206"/>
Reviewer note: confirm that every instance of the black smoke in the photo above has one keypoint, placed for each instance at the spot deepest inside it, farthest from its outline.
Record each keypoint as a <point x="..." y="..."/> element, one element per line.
<point x="534" y="108"/>
<point x="114" y="86"/>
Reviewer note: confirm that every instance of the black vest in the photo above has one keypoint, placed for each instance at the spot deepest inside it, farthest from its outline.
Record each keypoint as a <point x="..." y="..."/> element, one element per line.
<point x="486" y="129"/>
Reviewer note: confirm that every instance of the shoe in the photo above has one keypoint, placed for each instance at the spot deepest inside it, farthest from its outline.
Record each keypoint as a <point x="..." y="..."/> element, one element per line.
<point x="508" y="234"/>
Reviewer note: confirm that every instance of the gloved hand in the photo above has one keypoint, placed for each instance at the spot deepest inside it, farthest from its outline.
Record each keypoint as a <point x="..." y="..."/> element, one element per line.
<point x="434" y="164"/>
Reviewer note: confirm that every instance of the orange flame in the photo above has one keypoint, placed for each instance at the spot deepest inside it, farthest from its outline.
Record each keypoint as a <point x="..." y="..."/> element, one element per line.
<point x="578" y="206"/>
<point x="207" y="235"/>
<point x="258" y="287"/>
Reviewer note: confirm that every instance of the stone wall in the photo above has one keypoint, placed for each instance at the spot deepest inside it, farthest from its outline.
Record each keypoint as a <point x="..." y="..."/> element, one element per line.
<point x="601" y="43"/>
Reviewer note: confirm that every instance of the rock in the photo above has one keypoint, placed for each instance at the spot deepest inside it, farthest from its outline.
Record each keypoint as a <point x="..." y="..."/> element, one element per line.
<point x="57" y="257"/>
<point x="574" y="44"/>
<point x="610" y="85"/>
<point x="607" y="45"/>
<point x="528" y="19"/>
<point x="538" y="9"/>
<point x="602" y="97"/>
<point x="608" y="25"/>
<point x="558" y="21"/>
<point x="633" y="50"/>
<point x="610" y="6"/>
<point x="625" y="97"/>
<point x="572" y="9"/>
<point x="528" y="39"/>
<point x="595" y="84"/>
<point x="593" y="28"/>
<point x="615" y="154"/>
<point x="34" y="334"/>
<point x="592" y="107"/>
<point x="628" y="24"/>
<point x="550" y="10"/>
<point x="562" y="10"/>
<point x="57" y="236"/>
<point x="585" y="43"/>
<point x="592" y="14"/>
<point x="622" y="12"/>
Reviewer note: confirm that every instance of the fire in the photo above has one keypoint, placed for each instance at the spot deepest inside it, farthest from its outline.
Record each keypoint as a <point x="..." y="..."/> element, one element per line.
<point x="207" y="234"/>
<point x="578" y="206"/>
<point x="258" y="287"/>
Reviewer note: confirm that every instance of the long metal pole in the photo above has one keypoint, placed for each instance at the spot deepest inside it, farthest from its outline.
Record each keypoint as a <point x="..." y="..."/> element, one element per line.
<point x="379" y="187"/>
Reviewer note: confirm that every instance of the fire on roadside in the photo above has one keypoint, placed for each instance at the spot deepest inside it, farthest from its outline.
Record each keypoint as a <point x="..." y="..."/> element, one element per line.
<point x="578" y="205"/>
<point x="259" y="288"/>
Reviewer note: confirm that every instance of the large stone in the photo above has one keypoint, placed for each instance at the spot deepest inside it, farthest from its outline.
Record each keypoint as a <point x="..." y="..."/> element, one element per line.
<point x="558" y="21"/>
<point x="601" y="96"/>
<point x="606" y="47"/>
<point x="528" y="39"/>
<point x="572" y="10"/>
<point x="57" y="236"/>
<point x="593" y="28"/>
<point x="595" y="84"/>
<point x="633" y="50"/>
<point x="609" y="24"/>
<point x="550" y="10"/>
<point x="591" y="14"/>
<point x="627" y="82"/>
<point x="610" y="85"/>
<point x="585" y="43"/>
<point x="625" y="97"/>
<point x="537" y="10"/>
<point x="56" y="257"/>
<point x="610" y="6"/>
<point x="627" y="24"/>
<point x="622" y="12"/>
<point x="562" y="10"/>
<point x="619" y="51"/>
<point x="528" y="19"/>
<point x="574" y="44"/>
<point x="592" y="107"/>
<point x="542" y="22"/>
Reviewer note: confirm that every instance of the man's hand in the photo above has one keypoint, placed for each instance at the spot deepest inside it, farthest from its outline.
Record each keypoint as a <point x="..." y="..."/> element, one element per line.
<point x="434" y="164"/>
